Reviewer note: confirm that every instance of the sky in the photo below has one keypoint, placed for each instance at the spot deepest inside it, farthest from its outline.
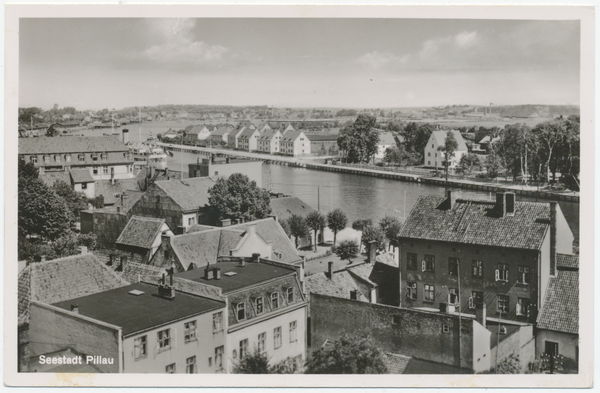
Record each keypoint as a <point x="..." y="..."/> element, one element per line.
<point x="96" y="63"/>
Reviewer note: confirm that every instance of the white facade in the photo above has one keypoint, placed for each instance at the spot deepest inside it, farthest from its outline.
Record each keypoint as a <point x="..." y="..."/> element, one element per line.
<point x="435" y="158"/>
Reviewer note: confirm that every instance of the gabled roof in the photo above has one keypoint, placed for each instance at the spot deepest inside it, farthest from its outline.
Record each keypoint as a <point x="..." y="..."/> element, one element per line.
<point x="108" y="190"/>
<point x="81" y="176"/>
<point x="440" y="137"/>
<point x="284" y="207"/>
<point x="51" y="177"/>
<point x="72" y="144"/>
<point x="567" y="262"/>
<point x="291" y="135"/>
<point x="560" y="312"/>
<point x="477" y="222"/>
<point x="248" y="132"/>
<point x="141" y="231"/>
<point x="221" y="131"/>
<point x="267" y="135"/>
<point x="386" y="138"/>
<point x="322" y="138"/>
<point x="339" y="285"/>
<point x="194" y="130"/>
<point x="63" y="279"/>
<point x="189" y="194"/>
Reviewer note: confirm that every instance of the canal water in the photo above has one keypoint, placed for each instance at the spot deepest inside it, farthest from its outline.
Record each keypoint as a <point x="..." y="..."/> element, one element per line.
<point x="361" y="197"/>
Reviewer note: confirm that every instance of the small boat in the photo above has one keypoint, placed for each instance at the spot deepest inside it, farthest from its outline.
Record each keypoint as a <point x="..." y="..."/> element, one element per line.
<point x="148" y="154"/>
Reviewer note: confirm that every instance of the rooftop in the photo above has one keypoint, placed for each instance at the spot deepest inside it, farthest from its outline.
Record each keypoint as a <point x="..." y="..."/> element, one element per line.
<point x="73" y="144"/>
<point x="135" y="313"/>
<point x="251" y="274"/>
<point x="567" y="262"/>
<point x="63" y="279"/>
<point x="322" y="138"/>
<point x="284" y="207"/>
<point x="108" y="189"/>
<point x="189" y="194"/>
<point x="141" y="231"/>
<point x="81" y="176"/>
<point x="339" y="285"/>
<point x="440" y="137"/>
<point x="560" y="312"/>
<point x="51" y="177"/>
<point x="478" y="222"/>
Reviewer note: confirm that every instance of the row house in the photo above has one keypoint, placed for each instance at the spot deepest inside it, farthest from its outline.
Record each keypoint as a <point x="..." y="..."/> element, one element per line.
<point x="248" y="139"/>
<point x="458" y="254"/>
<point x="104" y="158"/>
<point x="269" y="142"/>
<point x="294" y="143"/>
<point x="233" y="138"/>
<point x="220" y="135"/>
<point x="199" y="133"/>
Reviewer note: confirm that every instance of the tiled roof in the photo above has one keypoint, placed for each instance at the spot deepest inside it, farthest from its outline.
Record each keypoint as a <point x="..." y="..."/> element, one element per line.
<point x="286" y="206"/>
<point x="199" y="248"/>
<point x="386" y="138"/>
<point x="396" y="364"/>
<point x="81" y="175"/>
<point x="363" y="271"/>
<point x="339" y="285"/>
<point x="291" y="135"/>
<point x="72" y="144"/>
<point x="133" y="270"/>
<point x="567" y="261"/>
<point x="221" y="131"/>
<point x="248" y="132"/>
<point x="251" y="274"/>
<point x="108" y="190"/>
<point x="477" y="222"/>
<point x="322" y="138"/>
<point x="561" y="305"/>
<point x="63" y="279"/>
<point x="189" y="194"/>
<point x="199" y="228"/>
<point x="267" y="135"/>
<point x="270" y="230"/>
<point x="140" y="231"/>
<point x="51" y="177"/>
<point x="134" y="313"/>
<point x="440" y="137"/>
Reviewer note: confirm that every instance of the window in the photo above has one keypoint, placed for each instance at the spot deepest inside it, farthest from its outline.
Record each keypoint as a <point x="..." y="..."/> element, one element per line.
<point x="411" y="290"/>
<point x="411" y="261"/>
<point x="502" y="304"/>
<point x="130" y="168"/>
<point x="446" y="329"/>
<point x="502" y="272"/>
<point x="243" y="348"/>
<point x="68" y="157"/>
<point x="94" y="156"/>
<point x="104" y="156"/>
<point x="277" y="337"/>
<point x="476" y="297"/>
<point x="216" y="173"/>
<point x="274" y="300"/>
<point x="293" y="337"/>
<point x="95" y="170"/>
<point x="190" y="365"/>
<point x="453" y="266"/>
<point x="453" y="296"/>
<point x="241" y="311"/>
<point x="395" y="319"/>
<point x="429" y="293"/>
<point x="218" y="322"/>
<point x="428" y="162"/>
<point x="477" y="269"/>
<point x="432" y="146"/>
<point x="191" y="220"/>
<point x="84" y="186"/>
<point x="81" y="157"/>
<point x="140" y="347"/>
<point x="219" y="356"/>
<point x="428" y="154"/>
<point x="262" y="337"/>
<point x="523" y="307"/>
<point x="551" y="348"/>
<point x="429" y="263"/>
<point x="105" y="170"/>
<point x="46" y="159"/>
<point x="170" y="369"/>
<point x="523" y="275"/>
<point x="190" y="331"/>
<point x="57" y="157"/>
<point x="164" y="339"/>
<point x="259" y="302"/>
<point x="289" y="293"/>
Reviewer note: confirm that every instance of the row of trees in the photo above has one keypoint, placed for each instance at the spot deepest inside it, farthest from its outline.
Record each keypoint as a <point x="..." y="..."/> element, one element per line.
<point x="358" y="141"/>
<point x="47" y="216"/>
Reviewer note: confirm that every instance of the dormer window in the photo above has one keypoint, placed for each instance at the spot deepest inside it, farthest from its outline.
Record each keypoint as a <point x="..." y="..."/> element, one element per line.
<point x="104" y="156"/>
<point x="81" y="157"/>
<point x="68" y="157"/>
<point x="259" y="303"/>
<point x="46" y="158"/>
<point x="57" y="157"/>
<point x="240" y="310"/>
<point x="94" y="156"/>
<point x="289" y="294"/>
<point x="33" y="159"/>
<point x="274" y="300"/>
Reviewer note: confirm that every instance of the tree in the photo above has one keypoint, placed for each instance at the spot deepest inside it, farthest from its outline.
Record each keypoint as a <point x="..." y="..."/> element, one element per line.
<point x="493" y="165"/>
<point x="76" y="201"/>
<point x="350" y="354"/>
<point x="372" y="233"/>
<point x="549" y="133"/>
<point x="336" y="221"/>
<point x="97" y="202"/>
<point x="360" y="225"/>
<point x="395" y="155"/>
<point x="298" y="227"/>
<point x="346" y="250"/>
<point x="316" y="221"/>
<point x="358" y="141"/>
<point x="52" y="131"/>
<point x="448" y="149"/>
<point x="256" y="362"/>
<point x="41" y="212"/>
<point x="238" y="197"/>
<point x="27" y="170"/>
<point x="391" y="227"/>
<point x="467" y="162"/>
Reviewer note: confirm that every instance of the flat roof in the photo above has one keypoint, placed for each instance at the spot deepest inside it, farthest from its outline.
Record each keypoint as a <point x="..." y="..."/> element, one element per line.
<point x="245" y="276"/>
<point x="134" y="313"/>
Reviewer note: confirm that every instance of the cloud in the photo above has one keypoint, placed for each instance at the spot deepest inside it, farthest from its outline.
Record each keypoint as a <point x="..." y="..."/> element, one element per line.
<point x="377" y="60"/>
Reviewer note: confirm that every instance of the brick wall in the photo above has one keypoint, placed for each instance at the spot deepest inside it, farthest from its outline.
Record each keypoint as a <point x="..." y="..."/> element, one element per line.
<point x="415" y="333"/>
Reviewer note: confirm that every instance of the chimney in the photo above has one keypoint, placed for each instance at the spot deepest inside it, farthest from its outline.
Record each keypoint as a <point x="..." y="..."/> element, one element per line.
<point x="372" y="249"/>
<point x="207" y="270"/>
<point x="553" y="234"/>
<point x="273" y="216"/>
<point x="242" y="262"/>
<point x="226" y="222"/>
<point x="125" y="133"/>
<point x="480" y="313"/>
<point x="330" y="270"/>
<point x="510" y="203"/>
<point x="112" y="175"/>
<point x="279" y="195"/>
<point x="165" y="290"/>
<point x="75" y="308"/>
<point x="238" y="221"/>
<point x="256" y="257"/>
<point x="82" y="250"/>
<point x="501" y="204"/>
<point x="447" y="203"/>
<point x="212" y="159"/>
<point x="216" y="273"/>
<point x="251" y="229"/>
